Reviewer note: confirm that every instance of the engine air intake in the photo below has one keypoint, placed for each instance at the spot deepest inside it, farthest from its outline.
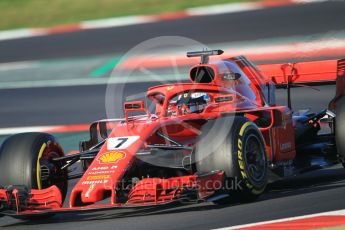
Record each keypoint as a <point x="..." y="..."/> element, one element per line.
<point x="202" y="74"/>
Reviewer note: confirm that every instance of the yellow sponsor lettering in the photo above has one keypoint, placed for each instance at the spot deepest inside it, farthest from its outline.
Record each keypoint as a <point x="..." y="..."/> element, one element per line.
<point x="98" y="177"/>
<point x="239" y="144"/>
<point x="239" y="153"/>
<point x="240" y="163"/>
<point x="245" y="125"/>
<point x="244" y="175"/>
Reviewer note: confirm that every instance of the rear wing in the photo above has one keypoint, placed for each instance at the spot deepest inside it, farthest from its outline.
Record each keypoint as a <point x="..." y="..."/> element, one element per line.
<point x="308" y="73"/>
<point x="316" y="72"/>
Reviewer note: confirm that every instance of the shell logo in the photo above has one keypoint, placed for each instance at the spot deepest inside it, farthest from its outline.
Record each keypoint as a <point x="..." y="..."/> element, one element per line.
<point x="111" y="157"/>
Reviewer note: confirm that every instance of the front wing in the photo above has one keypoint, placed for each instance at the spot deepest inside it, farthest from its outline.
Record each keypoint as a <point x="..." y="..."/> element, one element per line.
<point x="19" y="202"/>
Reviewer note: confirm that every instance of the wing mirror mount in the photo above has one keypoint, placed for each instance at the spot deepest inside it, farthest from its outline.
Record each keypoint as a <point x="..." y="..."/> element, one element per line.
<point x="135" y="106"/>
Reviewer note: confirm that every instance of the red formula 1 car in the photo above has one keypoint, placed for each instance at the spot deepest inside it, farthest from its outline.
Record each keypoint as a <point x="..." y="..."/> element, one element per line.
<point x="217" y="138"/>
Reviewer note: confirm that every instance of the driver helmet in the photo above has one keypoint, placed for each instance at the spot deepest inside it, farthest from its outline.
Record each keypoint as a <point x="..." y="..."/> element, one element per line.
<point x="196" y="103"/>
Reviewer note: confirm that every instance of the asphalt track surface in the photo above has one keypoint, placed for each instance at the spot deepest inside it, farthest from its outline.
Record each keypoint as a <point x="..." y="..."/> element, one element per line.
<point x="245" y="26"/>
<point x="311" y="193"/>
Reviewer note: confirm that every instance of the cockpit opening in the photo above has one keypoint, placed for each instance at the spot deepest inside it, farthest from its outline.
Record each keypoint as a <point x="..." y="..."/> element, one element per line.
<point x="188" y="102"/>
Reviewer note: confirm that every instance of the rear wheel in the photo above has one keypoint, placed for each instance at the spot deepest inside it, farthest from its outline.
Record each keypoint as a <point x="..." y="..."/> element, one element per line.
<point x="241" y="155"/>
<point x="26" y="159"/>
<point x="340" y="128"/>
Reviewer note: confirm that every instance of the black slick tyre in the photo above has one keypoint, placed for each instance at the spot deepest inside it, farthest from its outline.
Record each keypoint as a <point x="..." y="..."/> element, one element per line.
<point x="26" y="160"/>
<point x="241" y="154"/>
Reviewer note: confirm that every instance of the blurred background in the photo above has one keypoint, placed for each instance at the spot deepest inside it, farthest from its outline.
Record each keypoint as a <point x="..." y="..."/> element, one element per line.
<point x="40" y="13"/>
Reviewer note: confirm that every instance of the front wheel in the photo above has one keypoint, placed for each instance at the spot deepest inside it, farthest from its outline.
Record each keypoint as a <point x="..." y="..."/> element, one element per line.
<point x="241" y="155"/>
<point x="26" y="159"/>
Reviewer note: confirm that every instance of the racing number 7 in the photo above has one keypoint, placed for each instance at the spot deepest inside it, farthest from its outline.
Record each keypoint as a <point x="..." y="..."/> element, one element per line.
<point x="115" y="143"/>
<point x="121" y="141"/>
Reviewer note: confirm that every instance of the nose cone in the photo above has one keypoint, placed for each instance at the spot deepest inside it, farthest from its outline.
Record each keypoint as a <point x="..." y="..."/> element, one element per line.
<point x="93" y="194"/>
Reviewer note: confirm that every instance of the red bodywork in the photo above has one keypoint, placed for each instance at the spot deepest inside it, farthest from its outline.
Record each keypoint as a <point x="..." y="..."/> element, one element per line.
<point x="118" y="154"/>
<point x="317" y="72"/>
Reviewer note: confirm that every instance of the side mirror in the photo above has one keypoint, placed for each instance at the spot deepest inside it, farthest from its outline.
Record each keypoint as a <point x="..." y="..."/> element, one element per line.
<point x="225" y="98"/>
<point x="135" y="106"/>
<point x="231" y="76"/>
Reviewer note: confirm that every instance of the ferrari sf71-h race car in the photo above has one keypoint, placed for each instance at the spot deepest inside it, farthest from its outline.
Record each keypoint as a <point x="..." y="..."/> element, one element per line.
<point x="221" y="137"/>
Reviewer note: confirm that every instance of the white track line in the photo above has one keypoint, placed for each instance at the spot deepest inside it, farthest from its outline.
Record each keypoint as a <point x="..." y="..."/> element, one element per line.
<point x="311" y="1"/>
<point x="116" y="22"/>
<point x="224" y="8"/>
<point x="332" y="213"/>
<point x="295" y="47"/>
<point x="84" y="81"/>
<point x="19" y="33"/>
<point x="9" y="131"/>
<point x="18" y="65"/>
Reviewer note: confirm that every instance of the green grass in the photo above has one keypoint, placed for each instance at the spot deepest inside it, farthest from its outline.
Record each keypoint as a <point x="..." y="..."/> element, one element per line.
<point x="42" y="13"/>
